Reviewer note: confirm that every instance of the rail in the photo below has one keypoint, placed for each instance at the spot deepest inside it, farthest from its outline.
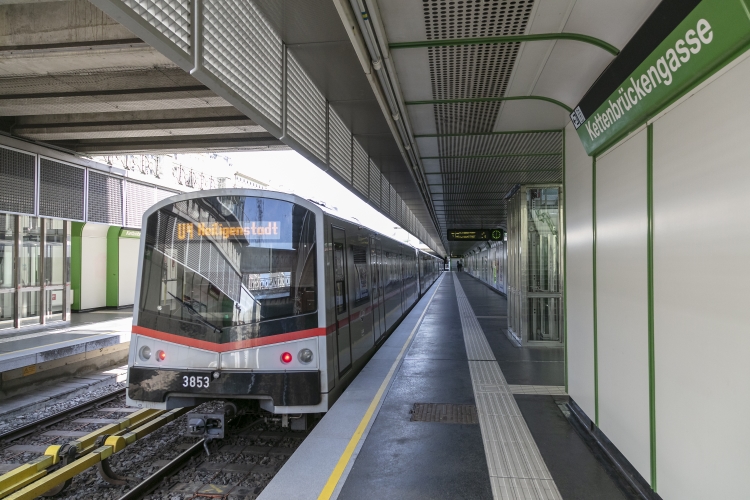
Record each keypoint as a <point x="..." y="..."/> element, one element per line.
<point x="34" y="478"/>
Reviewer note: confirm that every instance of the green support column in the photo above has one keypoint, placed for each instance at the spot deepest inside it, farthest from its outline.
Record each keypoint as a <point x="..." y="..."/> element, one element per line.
<point x="76" y="234"/>
<point x="113" y="266"/>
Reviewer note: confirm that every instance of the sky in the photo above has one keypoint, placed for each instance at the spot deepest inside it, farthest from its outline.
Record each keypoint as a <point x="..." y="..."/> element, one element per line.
<point x="290" y="172"/>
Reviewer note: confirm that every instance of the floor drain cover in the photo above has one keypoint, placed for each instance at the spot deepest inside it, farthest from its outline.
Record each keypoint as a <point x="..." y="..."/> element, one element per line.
<point x="444" y="413"/>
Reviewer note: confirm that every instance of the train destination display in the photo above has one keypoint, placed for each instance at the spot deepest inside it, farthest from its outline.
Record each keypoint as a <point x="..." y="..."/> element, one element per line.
<point x="475" y="234"/>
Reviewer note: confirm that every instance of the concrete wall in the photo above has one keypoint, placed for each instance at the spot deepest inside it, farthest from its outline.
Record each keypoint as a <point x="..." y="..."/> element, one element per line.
<point x="701" y="174"/>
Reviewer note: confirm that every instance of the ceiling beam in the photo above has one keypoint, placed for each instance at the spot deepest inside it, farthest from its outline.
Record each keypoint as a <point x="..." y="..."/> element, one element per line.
<point x="508" y="155"/>
<point x="508" y="132"/>
<point x="492" y="99"/>
<point x="577" y="37"/>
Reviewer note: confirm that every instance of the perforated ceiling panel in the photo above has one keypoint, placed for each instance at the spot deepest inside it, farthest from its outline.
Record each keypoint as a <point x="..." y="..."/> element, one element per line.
<point x="170" y="17"/>
<point x="17" y="172"/>
<point x="138" y="199"/>
<point x="60" y="190"/>
<point x="472" y="71"/>
<point x="306" y="110"/>
<point x="385" y="194"/>
<point x="105" y="199"/>
<point x="340" y="146"/>
<point x="360" y="174"/>
<point x="374" y="184"/>
<point x="241" y="49"/>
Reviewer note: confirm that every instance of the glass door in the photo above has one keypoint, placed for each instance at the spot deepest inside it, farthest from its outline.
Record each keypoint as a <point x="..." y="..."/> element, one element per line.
<point x="55" y="242"/>
<point x="29" y="270"/>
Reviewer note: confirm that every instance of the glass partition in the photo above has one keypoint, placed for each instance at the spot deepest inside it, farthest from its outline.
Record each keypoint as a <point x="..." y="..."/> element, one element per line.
<point x="30" y="248"/>
<point x="534" y="265"/>
<point x="7" y="225"/>
<point x="54" y="240"/>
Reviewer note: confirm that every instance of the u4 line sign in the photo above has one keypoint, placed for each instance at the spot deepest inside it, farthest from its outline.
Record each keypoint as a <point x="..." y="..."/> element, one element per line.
<point x="712" y="34"/>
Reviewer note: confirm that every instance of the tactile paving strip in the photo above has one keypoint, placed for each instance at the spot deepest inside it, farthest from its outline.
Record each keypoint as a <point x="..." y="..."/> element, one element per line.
<point x="444" y="413"/>
<point x="517" y="470"/>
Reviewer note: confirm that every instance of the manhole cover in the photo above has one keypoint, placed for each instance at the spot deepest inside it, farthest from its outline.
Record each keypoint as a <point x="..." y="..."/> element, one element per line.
<point x="444" y="413"/>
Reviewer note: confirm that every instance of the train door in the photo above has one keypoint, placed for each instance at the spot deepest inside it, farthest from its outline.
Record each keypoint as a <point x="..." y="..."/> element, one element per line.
<point x="401" y="283"/>
<point x="381" y="284"/>
<point x="341" y="299"/>
<point x="377" y="298"/>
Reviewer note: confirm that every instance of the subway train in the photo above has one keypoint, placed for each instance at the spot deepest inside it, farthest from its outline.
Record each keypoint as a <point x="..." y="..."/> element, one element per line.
<point x="249" y="294"/>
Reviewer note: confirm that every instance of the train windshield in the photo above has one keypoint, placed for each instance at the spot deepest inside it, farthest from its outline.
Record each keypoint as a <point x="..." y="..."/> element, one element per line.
<point x="229" y="268"/>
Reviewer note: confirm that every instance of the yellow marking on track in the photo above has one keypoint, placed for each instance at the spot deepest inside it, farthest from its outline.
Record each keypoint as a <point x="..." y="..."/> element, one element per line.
<point x="338" y="471"/>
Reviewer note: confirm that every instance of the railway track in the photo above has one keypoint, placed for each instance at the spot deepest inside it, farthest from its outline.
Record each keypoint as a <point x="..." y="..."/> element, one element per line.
<point x="37" y="425"/>
<point x="102" y="464"/>
<point x="239" y="466"/>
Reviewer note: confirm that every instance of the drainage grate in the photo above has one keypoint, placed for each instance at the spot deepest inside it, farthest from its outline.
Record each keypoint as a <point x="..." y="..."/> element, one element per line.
<point x="445" y="413"/>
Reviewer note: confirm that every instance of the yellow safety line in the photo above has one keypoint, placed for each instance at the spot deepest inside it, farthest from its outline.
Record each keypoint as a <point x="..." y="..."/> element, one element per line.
<point x="335" y="476"/>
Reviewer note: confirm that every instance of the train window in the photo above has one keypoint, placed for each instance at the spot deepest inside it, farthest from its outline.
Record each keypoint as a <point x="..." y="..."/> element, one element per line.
<point x="361" y="285"/>
<point x="222" y="268"/>
<point x="339" y="285"/>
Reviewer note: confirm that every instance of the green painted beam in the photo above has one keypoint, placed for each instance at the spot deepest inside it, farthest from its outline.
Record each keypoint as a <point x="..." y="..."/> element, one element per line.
<point x="492" y="99"/>
<point x="650" y="278"/>
<point x="538" y="37"/>
<point x="507" y="132"/>
<point x="76" y="234"/>
<point x="593" y="259"/>
<point x="509" y="155"/>
<point x="494" y="171"/>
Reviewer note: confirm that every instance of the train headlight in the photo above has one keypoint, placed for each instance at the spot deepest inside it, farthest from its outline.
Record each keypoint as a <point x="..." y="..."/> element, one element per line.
<point x="305" y="355"/>
<point x="161" y="355"/>
<point x="145" y="353"/>
<point x="286" y="357"/>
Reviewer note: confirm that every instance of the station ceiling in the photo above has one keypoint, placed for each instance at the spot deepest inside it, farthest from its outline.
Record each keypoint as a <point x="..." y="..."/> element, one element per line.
<point x="483" y="88"/>
<point x="488" y="86"/>
<point x="73" y="78"/>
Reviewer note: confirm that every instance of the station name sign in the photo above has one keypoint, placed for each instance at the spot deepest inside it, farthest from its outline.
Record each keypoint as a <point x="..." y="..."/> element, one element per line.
<point x="251" y="230"/>
<point x="475" y="234"/>
<point x="704" y="41"/>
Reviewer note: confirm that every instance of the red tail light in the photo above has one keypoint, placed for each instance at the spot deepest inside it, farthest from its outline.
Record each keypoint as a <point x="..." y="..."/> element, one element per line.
<point x="286" y="357"/>
<point x="161" y="355"/>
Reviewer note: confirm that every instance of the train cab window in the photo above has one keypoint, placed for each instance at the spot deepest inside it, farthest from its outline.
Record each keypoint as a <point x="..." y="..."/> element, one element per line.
<point x="229" y="268"/>
<point x="339" y="283"/>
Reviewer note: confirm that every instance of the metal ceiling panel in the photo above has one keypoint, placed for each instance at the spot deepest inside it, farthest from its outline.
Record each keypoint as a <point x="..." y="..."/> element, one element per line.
<point x="530" y="115"/>
<point x="531" y="60"/>
<point x="497" y="144"/>
<point x="422" y="118"/>
<point x="577" y="64"/>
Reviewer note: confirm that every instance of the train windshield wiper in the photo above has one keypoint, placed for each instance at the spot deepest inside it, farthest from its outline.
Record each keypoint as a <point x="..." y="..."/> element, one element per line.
<point x="193" y="312"/>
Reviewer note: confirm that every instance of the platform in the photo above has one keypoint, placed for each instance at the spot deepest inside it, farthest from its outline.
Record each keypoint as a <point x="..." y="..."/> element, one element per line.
<point x="450" y="408"/>
<point x="35" y="355"/>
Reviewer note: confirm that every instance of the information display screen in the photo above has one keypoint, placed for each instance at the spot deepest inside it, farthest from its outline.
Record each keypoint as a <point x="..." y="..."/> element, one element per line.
<point x="475" y="234"/>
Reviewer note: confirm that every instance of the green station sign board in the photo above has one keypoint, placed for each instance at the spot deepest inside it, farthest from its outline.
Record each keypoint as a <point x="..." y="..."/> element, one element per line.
<point x="475" y="234"/>
<point x="711" y="35"/>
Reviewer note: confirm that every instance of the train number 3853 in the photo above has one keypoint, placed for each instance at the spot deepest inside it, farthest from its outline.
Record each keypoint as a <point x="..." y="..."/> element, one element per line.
<point x="198" y="382"/>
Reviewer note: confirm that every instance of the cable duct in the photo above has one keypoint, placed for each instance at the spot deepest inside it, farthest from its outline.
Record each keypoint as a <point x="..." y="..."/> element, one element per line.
<point x="377" y="59"/>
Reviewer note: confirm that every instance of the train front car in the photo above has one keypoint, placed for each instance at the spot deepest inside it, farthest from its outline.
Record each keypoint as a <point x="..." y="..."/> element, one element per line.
<point x="227" y="303"/>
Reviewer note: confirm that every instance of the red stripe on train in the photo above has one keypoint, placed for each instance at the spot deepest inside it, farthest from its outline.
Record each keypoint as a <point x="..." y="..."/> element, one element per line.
<point x="229" y="346"/>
